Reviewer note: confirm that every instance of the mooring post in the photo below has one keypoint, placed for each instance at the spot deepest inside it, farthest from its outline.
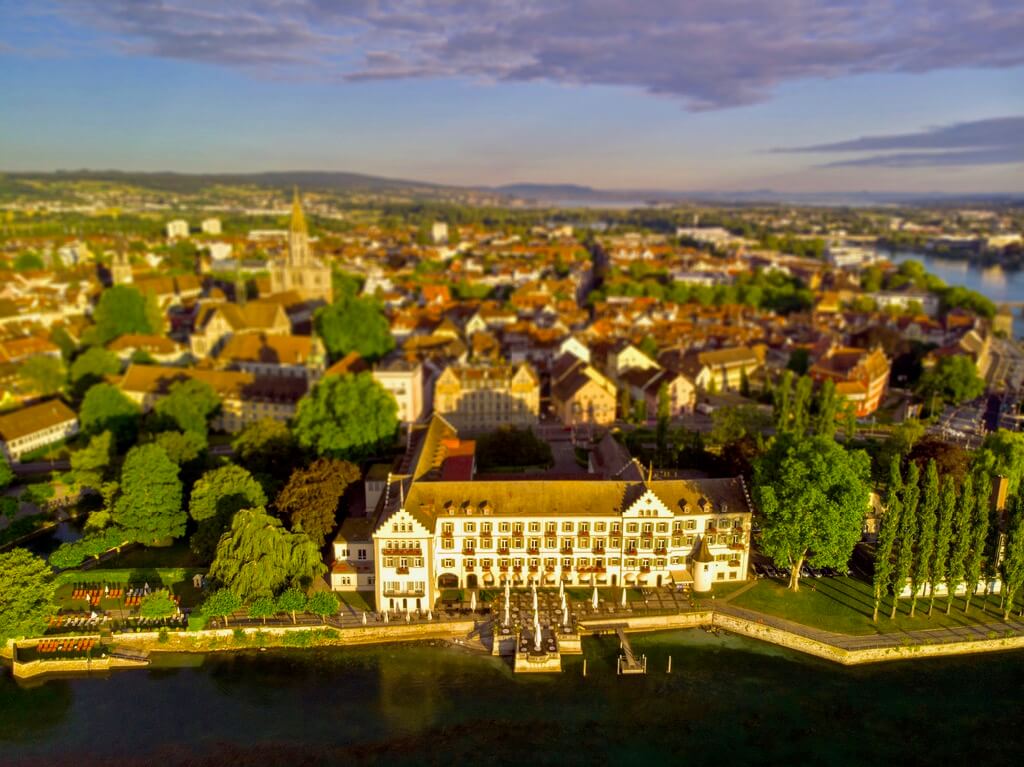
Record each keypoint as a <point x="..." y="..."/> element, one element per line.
<point x="669" y="665"/>
<point x="584" y="667"/>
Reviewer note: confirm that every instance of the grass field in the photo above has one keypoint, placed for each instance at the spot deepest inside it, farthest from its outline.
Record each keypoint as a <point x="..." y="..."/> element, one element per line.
<point x="845" y="605"/>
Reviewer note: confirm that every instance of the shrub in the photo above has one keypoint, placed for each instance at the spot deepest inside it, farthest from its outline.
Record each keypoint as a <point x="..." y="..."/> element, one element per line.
<point x="512" y="447"/>
<point x="163" y="636"/>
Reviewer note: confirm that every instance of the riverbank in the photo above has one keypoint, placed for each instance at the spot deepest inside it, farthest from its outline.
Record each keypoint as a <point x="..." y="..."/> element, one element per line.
<point x="842" y="649"/>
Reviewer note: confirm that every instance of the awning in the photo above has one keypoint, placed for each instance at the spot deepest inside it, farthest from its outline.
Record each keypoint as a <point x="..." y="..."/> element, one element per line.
<point x="488" y="578"/>
<point x="629" y="577"/>
<point x="681" y="576"/>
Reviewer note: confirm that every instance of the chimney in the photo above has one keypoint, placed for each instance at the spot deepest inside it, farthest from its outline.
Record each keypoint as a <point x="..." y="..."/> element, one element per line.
<point x="1000" y="489"/>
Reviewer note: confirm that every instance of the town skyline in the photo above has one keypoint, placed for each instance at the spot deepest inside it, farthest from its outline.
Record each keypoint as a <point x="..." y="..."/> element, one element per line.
<point x="643" y="98"/>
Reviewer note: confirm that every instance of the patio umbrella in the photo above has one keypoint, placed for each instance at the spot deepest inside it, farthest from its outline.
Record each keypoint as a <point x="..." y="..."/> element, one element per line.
<point x="364" y="617"/>
<point x="430" y="615"/>
<point x="385" y="616"/>
<point x="472" y="602"/>
<point x="565" y="615"/>
<point x="594" y="599"/>
<point x="563" y="600"/>
<point x="535" y="600"/>
<point x="561" y="589"/>
<point x="508" y="591"/>
<point x="623" y="596"/>
<point x="507" y="620"/>
<point x="408" y="617"/>
<point x="536" y="632"/>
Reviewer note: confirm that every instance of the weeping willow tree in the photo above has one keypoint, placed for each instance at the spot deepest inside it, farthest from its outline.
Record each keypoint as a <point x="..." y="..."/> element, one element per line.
<point x="258" y="557"/>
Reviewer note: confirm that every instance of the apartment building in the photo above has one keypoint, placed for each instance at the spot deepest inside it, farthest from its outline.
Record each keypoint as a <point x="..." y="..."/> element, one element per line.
<point x="477" y="398"/>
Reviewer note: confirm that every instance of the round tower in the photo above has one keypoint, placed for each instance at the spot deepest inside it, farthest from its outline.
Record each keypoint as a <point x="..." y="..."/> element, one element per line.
<point x="703" y="562"/>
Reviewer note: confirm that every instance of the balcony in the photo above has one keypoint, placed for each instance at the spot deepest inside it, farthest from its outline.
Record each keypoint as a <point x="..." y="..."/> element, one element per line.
<point x="517" y="568"/>
<point x="645" y="568"/>
<point x="469" y="568"/>
<point x="549" y="568"/>
<point x="597" y="550"/>
<point x="631" y="552"/>
<point x="407" y="593"/>
<point x="469" y="552"/>
<point x="567" y="549"/>
<point x="661" y="552"/>
<point x="404" y="551"/>
<point x="503" y="569"/>
<point x="503" y="552"/>
<point x="402" y="570"/>
<point x="737" y="547"/>
<point x="734" y="563"/>
<point x="533" y="568"/>
<point x="533" y="551"/>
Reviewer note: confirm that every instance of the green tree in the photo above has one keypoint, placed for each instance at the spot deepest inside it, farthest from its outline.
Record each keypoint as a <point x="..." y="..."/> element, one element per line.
<point x="1002" y="454"/>
<point x="1013" y="558"/>
<point x="123" y="309"/>
<point x="890" y="527"/>
<point x="783" y="401"/>
<point x="310" y="499"/>
<point x="43" y="374"/>
<point x="943" y="539"/>
<point x="802" y="406"/>
<point x="149" y="507"/>
<point x="6" y="473"/>
<point x="733" y="423"/>
<point x="324" y="604"/>
<point x="979" y="537"/>
<point x="158" y="604"/>
<point x="258" y="556"/>
<point x="183" y="447"/>
<point x="828" y="409"/>
<point x="26" y="594"/>
<point x="813" y="495"/>
<point x="664" y="418"/>
<point x="189" y="405"/>
<point x="291" y="601"/>
<point x="263" y="607"/>
<point x="907" y="534"/>
<point x="927" y="516"/>
<point x="348" y="417"/>
<point x="354" y="324"/>
<point x="953" y="380"/>
<point x="107" y="408"/>
<point x="90" y="463"/>
<point x="266" y="446"/>
<point x="222" y="603"/>
<point x="91" y="367"/>
<point x="961" y="545"/>
<point x="216" y="497"/>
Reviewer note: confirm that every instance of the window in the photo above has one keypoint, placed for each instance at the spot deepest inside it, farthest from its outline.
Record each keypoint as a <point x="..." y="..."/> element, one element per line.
<point x="504" y="527"/>
<point x="517" y="527"/>
<point x="616" y="527"/>
<point x="362" y="554"/>
<point x="389" y="561"/>
<point x="417" y="562"/>
<point x="584" y="528"/>
<point x="342" y="552"/>
<point x="448" y="563"/>
<point x="567" y="527"/>
<point x="662" y="527"/>
<point x="447" y="529"/>
<point x="632" y="527"/>
<point x="535" y="527"/>
<point x="517" y="543"/>
<point x="600" y="527"/>
<point x="648" y="528"/>
<point x="691" y="524"/>
<point x="469" y="527"/>
<point x="566" y="564"/>
<point x="485" y="528"/>
<point x="550" y="528"/>
<point x="550" y="543"/>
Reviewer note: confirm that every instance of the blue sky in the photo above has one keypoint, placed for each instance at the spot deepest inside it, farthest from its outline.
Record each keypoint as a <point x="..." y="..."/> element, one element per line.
<point x="795" y="95"/>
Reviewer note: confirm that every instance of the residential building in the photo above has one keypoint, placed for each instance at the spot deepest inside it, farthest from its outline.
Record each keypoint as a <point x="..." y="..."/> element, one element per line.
<point x="30" y="428"/>
<point x="177" y="229"/>
<point x="722" y="369"/>
<point x="580" y="394"/>
<point x="860" y="375"/>
<point x="217" y="322"/>
<point x="274" y="355"/>
<point x="404" y="379"/>
<point x="301" y="271"/>
<point x="211" y="226"/>
<point x="485" y="397"/>
<point x="245" y="397"/>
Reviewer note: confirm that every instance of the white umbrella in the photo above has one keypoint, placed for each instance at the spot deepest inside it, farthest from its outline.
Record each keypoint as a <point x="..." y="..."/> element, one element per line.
<point x="507" y="616"/>
<point x="364" y="618"/>
<point x="536" y="632"/>
<point x="623" y="596"/>
<point x="430" y="615"/>
<point x="472" y="602"/>
<point x="385" y="616"/>
<point x="563" y="600"/>
<point x="408" y="617"/>
<point x="565" y="615"/>
<point x="594" y="598"/>
<point x="561" y="589"/>
<point x="508" y="591"/>
<point x="535" y="600"/>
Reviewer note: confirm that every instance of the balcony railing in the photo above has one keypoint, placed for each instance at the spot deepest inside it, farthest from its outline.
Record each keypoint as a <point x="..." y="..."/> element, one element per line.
<point x="469" y="551"/>
<point x="661" y="551"/>
<point x="645" y="568"/>
<point x="598" y="550"/>
<point x="631" y="552"/>
<point x="567" y="549"/>
<point x="402" y="570"/>
<point x="406" y="593"/>
<point x="403" y="552"/>
<point x="503" y="552"/>
<point x="533" y="551"/>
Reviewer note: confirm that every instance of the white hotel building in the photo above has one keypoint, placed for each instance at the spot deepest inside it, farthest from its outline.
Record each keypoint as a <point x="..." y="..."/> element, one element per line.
<point x="430" y="532"/>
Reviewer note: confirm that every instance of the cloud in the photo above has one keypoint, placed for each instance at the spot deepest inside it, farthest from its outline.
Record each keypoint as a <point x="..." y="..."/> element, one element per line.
<point x="708" y="53"/>
<point x="994" y="141"/>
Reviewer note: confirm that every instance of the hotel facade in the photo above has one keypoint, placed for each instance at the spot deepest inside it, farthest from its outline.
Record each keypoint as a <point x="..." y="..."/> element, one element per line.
<point x="428" y="534"/>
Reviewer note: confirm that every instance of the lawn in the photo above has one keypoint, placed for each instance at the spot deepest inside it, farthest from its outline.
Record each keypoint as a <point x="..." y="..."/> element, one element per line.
<point x="179" y="581"/>
<point x="363" y="601"/>
<point x="845" y="605"/>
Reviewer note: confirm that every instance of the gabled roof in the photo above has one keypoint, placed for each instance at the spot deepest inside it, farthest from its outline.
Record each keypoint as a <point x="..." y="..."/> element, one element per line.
<point x="34" y="418"/>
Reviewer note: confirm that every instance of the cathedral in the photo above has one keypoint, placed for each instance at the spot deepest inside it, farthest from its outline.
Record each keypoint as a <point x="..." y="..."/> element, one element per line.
<point x="300" y="271"/>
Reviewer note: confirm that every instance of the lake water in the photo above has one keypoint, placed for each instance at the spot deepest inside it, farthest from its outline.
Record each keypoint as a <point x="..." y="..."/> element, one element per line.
<point x="996" y="283"/>
<point x="729" y="700"/>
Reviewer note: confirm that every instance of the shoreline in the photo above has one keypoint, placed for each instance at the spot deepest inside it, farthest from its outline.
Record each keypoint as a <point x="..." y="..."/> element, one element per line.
<point x="469" y="635"/>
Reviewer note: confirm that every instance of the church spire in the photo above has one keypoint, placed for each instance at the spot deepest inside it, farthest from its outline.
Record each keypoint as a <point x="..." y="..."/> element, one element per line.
<point x="298" y="225"/>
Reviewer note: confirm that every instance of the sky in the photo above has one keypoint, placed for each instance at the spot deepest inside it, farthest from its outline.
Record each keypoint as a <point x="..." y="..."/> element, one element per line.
<point x="792" y="95"/>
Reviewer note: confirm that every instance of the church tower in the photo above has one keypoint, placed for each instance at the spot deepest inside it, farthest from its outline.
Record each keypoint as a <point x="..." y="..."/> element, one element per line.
<point x="298" y="235"/>
<point x="300" y="271"/>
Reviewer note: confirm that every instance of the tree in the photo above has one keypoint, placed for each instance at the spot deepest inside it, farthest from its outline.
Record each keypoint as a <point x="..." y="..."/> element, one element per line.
<point x="216" y="497"/>
<point x="26" y="594"/>
<point x="347" y="417"/>
<point x="1002" y="454"/>
<point x="961" y="540"/>
<point x="813" y="495"/>
<point x="159" y="604"/>
<point x="107" y="408"/>
<point x="43" y="374"/>
<point x="1013" y="558"/>
<point x="222" y="603"/>
<point x="664" y="418"/>
<point x="123" y="309"/>
<point x="310" y="499"/>
<point x="189" y="405"/>
<point x="263" y="607"/>
<point x="979" y="536"/>
<point x="802" y="405"/>
<point x="324" y="604"/>
<point x="354" y="324"/>
<point x="182" y="447"/>
<point x="626" y="404"/>
<point x="258" y="556"/>
<point x="291" y="601"/>
<point x="733" y="423"/>
<point x="828" y="409"/>
<point x="927" y="515"/>
<point x="91" y="367"/>
<point x="887" y="534"/>
<point x="6" y="473"/>
<point x="943" y="539"/>
<point x="907" y="534"/>
<point x="782" y="398"/>
<point x="266" y="446"/>
<point x="91" y="462"/>
<point x="953" y="380"/>
<point x="149" y="508"/>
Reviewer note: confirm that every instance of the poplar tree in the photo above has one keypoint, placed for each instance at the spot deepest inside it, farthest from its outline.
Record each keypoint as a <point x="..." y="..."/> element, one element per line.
<point x="828" y="409"/>
<point x="926" y="516"/>
<point x="1013" y="560"/>
<point x="979" y="535"/>
<point x="961" y="540"/>
<point x="802" y="405"/>
<point x="887" y="534"/>
<point x="782" y="401"/>
<point x="907" y="534"/>
<point x="943" y="536"/>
